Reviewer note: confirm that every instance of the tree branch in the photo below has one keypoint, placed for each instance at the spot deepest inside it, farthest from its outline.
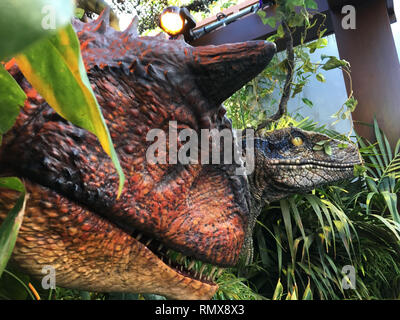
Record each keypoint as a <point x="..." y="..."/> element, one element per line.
<point x="289" y="78"/>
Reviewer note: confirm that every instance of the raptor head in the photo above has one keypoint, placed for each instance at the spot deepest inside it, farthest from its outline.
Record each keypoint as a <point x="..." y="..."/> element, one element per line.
<point x="292" y="160"/>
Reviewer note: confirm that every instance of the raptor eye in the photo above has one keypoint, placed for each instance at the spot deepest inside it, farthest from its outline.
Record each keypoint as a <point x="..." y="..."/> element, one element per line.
<point x="297" y="141"/>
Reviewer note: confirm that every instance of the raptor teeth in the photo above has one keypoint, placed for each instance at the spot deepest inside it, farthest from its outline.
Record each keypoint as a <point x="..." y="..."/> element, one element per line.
<point x="202" y="269"/>
<point x="220" y="271"/>
<point x="191" y="265"/>
<point x="139" y="236"/>
<point x="148" y="242"/>
<point x="212" y="271"/>
<point x="160" y="247"/>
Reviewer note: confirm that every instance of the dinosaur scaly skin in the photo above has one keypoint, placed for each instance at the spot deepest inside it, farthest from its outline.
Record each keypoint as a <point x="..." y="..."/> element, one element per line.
<point x="73" y="220"/>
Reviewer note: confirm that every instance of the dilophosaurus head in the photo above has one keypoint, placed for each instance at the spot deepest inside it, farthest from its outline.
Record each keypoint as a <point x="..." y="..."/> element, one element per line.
<point x="74" y="221"/>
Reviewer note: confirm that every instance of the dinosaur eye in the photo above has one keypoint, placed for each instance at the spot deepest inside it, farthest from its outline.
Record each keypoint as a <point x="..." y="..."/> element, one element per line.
<point x="297" y="141"/>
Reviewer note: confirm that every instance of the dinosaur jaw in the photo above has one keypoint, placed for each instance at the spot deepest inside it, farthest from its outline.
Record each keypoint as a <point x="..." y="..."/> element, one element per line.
<point x="90" y="253"/>
<point x="197" y="276"/>
<point x="301" y="176"/>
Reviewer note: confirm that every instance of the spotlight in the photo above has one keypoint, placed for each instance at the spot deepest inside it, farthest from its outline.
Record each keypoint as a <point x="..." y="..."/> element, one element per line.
<point x="175" y="21"/>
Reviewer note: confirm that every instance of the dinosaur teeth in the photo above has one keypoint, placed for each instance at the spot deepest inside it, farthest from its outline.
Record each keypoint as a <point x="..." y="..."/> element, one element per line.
<point x="212" y="272"/>
<point x="191" y="265"/>
<point x="160" y="247"/>
<point x="148" y="242"/>
<point x="139" y="236"/>
<point x="202" y="270"/>
<point x="220" y="271"/>
<point x="179" y="257"/>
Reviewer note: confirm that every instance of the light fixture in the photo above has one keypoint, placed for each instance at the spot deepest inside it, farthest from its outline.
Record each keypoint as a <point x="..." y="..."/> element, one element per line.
<point x="176" y="21"/>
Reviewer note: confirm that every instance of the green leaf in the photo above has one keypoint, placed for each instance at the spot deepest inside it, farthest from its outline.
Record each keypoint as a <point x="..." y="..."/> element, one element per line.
<point x="307" y="102"/>
<point x="351" y="104"/>
<point x="11" y="224"/>
<point x="328" y="149"/>
<point x="280" y="32"/>
<point x="12" y="183"/>
<point x="318" y="44"/>
<point x="296" y="20"/>
<point x="288" y="225"/>
<point x="382" y="147"/>
<point x="271" y="21"/>
<point x="311" y="4"/>
<point x="79" y="12"/>
<point x="320" y="77"/>
<point x="278" y="291"/>
<point x="307" y="292"/>
<point x="13" y="285"/>
<point x="23" y="22"/>
<point x="12" y="97"/>
<point x="334" y="63"/>
<point x="298" y="88"/>
<point x="391" y="202"/>
<point x="391" y="225"/>
<point x="295" y="3"/>
<point x="54" y="66"/>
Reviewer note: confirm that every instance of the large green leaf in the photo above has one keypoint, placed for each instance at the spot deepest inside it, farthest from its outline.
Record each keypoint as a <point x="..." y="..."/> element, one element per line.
<point x="12" y="183"/>
<point x="11" y="224"/>
<point x="278" y="291"/>
<point x="22" y="22"/>
<point x="54" y="66"/>
<point x="11" y="98"/>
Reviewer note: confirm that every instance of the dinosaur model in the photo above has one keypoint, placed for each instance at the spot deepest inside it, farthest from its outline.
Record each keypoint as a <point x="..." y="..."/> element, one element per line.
<point x="73" y="219"/>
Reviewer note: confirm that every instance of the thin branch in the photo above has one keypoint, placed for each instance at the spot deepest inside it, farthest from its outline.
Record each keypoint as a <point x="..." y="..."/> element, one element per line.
<point x="289" y="78"/>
